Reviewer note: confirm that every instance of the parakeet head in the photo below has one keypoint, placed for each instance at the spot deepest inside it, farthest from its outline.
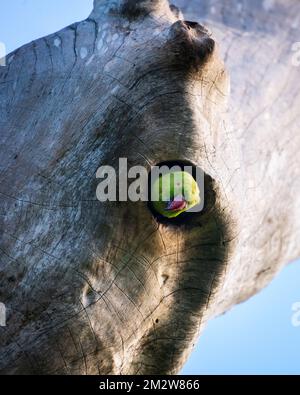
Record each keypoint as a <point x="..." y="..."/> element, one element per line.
<point x="175" y="193"/>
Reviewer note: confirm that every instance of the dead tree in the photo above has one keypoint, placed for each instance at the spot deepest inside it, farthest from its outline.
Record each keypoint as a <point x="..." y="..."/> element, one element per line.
<point x="97" y="288"/>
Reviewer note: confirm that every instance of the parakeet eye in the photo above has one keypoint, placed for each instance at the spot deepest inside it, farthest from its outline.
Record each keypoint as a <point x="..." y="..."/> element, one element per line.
<point x="175" y="191"/>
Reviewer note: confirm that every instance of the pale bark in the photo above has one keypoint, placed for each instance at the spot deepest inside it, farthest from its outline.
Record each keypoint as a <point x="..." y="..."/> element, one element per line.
<point x="95" y="288"/>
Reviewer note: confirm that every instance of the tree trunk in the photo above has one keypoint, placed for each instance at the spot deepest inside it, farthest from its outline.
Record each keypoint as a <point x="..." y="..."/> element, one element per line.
<point x="105" y="288"/>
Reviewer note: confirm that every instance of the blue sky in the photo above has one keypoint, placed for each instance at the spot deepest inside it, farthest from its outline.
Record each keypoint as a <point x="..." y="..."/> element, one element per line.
<point x="254" y="337"/>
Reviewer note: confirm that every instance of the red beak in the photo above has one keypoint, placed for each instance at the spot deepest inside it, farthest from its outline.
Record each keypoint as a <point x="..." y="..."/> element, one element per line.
<point x="177" y="204"/>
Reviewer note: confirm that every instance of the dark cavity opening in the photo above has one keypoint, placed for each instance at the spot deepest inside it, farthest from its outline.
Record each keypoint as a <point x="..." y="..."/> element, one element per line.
<point x="186" y="218"/>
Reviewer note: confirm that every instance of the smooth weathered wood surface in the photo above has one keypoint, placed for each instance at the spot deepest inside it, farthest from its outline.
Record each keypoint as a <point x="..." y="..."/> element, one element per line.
<point x="94" y="288"/>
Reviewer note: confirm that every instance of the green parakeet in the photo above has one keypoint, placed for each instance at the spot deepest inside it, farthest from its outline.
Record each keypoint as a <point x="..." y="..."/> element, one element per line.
<point x="174" y="193"/>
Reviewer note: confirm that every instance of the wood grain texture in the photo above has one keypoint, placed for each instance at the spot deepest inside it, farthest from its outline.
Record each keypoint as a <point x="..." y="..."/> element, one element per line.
<point x="94" y="288"/>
